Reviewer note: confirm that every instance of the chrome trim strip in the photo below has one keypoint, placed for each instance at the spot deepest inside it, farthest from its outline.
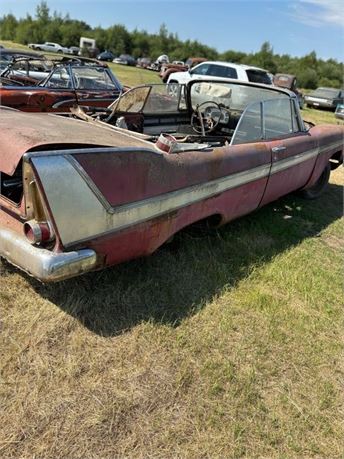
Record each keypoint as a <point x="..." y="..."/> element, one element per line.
<point x="105" y="203"/>
<point x="43" y="264"/>
<point x="331" y="145"/>
<point x="283" y="164"/>
<point x="63" y="102"/>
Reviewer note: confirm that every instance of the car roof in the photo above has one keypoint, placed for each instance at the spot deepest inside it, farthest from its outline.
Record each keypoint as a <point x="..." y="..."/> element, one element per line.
<point x="234" y="65"/>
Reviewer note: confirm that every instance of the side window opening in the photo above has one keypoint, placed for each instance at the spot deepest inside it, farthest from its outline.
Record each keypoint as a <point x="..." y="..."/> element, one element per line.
<point x="60" y="78"/>
<point x="222" y="71"/>
<point x="201" y="70"/>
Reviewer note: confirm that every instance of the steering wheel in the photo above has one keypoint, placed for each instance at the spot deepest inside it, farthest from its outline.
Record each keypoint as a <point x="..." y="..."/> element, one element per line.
<point x="203" y="119"/>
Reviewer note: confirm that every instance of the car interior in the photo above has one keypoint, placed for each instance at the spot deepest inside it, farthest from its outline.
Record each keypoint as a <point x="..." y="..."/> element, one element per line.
<point x="209" y="113"/>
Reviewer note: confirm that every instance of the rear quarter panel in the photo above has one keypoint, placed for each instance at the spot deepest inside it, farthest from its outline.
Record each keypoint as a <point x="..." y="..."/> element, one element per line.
<point x="330" y="140"/>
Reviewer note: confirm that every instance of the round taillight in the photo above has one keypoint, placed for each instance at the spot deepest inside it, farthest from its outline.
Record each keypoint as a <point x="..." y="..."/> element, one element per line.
<point x="37" y="233"/>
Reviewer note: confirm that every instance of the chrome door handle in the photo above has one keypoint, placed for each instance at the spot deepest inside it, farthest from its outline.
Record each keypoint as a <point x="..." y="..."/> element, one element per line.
<point x="278" y="149"/>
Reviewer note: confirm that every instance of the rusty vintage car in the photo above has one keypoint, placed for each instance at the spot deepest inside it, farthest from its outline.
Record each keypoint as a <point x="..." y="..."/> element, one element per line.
<point x="82" y="194"/>
<point x="167" y="69"/>
<point x="288" y="81"/>
<point x="70" y="81"/>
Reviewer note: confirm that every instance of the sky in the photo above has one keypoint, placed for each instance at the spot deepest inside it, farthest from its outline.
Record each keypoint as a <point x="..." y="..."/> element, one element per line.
<point x="294" y="27"/>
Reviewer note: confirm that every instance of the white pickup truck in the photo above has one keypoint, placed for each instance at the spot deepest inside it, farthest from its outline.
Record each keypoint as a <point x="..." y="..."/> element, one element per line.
<point x="52" y="47"/>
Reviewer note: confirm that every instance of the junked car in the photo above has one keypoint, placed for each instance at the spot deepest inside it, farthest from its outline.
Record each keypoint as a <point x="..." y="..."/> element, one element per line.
<point x="285" y="80"/>
<point x="167" y="69"/>
<point x="325" y="98"/>
<point x="339" y="113"/>
<point x="125" y="59"/>
<point x="71" y="81"/>
<point x="78" y="195"/>
<point x="143" y="62"/>
<point x="50" y="47"/>
<point x="25" y="71"/>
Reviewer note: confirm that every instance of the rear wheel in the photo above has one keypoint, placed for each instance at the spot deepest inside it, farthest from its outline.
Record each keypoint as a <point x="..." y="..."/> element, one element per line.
<point x="319" y="186"/>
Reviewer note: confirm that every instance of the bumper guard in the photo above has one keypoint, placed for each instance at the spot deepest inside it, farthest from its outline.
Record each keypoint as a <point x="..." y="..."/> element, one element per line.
<point x="43" y="264"/>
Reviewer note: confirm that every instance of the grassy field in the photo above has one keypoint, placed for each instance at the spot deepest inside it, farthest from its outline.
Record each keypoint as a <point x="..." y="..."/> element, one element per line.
<point x="224" y="344"/>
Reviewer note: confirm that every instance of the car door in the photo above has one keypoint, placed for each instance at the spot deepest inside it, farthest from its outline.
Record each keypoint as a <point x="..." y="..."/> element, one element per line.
<point x="293" y="150"/>
<point x="56" y="94"/>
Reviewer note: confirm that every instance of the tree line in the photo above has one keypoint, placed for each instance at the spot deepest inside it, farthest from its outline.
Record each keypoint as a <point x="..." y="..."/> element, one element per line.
<point x="311" y="71"/>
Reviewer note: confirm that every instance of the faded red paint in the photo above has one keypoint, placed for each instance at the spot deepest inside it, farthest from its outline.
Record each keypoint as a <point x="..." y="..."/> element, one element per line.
<point x="21" y="132"/>
<point x="126" y="176"/>
<point x="154" y="174"/>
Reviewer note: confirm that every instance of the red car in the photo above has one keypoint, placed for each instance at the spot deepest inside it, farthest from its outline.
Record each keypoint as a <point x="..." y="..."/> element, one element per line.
<point x="167" y="69"/>
<point x="80" y="195"/>
<point x="71" y="81"/>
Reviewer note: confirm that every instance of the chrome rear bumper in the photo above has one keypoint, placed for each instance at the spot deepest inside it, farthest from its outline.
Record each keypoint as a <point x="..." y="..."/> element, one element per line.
<point x="43" y="264"/>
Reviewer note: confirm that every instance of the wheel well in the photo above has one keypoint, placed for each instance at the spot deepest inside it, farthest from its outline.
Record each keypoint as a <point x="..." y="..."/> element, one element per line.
<point x="336" y="160"/>
<point x="207" y="223"/>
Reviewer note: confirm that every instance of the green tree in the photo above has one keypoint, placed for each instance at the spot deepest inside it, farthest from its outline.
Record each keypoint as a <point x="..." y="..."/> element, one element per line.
<point x="265" y="58"/>
<point x="8" y="25"/>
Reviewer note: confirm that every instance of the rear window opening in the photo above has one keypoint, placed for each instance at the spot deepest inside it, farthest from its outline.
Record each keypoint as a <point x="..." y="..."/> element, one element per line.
<point x="257" y="76"/>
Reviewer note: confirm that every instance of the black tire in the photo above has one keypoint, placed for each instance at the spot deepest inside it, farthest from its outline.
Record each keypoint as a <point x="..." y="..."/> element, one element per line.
<point x="319" y="186"/>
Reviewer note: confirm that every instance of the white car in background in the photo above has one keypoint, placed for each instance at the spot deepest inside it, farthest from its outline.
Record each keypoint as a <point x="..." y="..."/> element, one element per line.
<point x="221" y="70"/>
<point x="50" y="47"/>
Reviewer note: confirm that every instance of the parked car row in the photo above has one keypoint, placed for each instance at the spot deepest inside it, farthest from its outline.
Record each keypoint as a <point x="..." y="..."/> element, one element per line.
<point x="124" y="59"/>
<point x="198" y="68"/>
<point x="26" y="84"/>
<point x="107" y="185"/>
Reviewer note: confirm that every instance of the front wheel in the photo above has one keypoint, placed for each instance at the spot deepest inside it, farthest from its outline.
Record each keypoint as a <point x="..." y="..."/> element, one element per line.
<point x="319" y="186"/>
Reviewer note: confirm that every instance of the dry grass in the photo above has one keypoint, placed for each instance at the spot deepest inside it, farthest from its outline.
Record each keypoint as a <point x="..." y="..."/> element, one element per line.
<point x="133" y="76"/>
<point x="319" y="116"/>
<point x="223" y="344"/>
